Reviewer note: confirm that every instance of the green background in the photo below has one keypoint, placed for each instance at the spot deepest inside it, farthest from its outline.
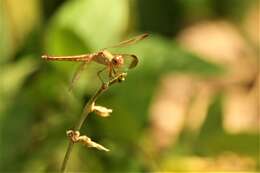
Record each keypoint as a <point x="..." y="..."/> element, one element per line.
<point x="36" y="108"/>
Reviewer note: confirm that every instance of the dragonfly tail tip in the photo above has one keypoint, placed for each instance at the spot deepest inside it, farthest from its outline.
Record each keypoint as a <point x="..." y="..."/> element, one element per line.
<point x="44" y="56"/>
<point x="145" y="35"/>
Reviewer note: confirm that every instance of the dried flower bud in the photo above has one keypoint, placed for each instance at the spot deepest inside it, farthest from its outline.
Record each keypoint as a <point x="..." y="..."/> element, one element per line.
<point x="86" y="141"/>
<point x="73" y="135"/>
<point x="102" y="111"/>
<point x="89" y="143"/>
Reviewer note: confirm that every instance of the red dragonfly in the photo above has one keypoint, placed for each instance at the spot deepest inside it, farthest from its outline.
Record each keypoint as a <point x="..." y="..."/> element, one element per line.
<point x="113" y="62"/>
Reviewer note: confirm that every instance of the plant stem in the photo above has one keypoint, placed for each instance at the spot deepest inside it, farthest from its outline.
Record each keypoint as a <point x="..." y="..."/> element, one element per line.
<point x="88" y="109"/>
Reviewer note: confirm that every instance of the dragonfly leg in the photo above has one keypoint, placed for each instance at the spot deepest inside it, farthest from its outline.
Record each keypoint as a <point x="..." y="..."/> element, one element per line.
<point x="99" y="76"/>
<point x="77" y="75"/>
<point x="114" y="71"/>
<point x="117" y="74"/>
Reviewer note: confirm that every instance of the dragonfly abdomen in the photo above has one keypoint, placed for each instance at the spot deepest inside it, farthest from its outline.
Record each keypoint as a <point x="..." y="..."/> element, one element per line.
<point x="67" y="58"/>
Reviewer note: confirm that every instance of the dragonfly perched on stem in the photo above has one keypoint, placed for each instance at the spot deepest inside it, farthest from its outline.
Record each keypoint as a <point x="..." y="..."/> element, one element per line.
<point x="112" y="62"/>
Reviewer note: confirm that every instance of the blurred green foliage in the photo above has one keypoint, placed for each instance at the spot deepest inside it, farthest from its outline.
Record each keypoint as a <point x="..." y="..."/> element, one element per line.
<point x="36" y="108"/>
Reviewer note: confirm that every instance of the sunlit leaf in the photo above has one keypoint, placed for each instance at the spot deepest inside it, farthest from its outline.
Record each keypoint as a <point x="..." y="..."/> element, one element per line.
<point x="16" y="23"/>
<point x="96" y="23"/>
<point x="13" y="75"/>
<point x="5" y="43"/>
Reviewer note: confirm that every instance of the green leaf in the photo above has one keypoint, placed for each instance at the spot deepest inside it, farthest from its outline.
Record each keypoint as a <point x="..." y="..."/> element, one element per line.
<point x="15" y="25"/>
<point x="5" y="43"/>
<point x="96" y="23"/>
<point x="12" y="77"/>
<point x="63" y="41"/>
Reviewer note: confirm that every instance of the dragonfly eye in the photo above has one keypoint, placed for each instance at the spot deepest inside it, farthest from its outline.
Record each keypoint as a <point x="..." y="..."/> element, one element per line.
<point x="118" y="60"/>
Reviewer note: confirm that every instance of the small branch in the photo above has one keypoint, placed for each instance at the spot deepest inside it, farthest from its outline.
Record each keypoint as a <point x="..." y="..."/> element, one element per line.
<point x="88" y="108"/>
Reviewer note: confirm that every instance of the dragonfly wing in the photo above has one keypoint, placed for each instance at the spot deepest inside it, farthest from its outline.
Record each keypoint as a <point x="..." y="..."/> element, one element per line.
<point x="130" y="61"/>
<point x="133" y="60"/>
<point x="76" y="74"/>
<point x="129" y="41"/>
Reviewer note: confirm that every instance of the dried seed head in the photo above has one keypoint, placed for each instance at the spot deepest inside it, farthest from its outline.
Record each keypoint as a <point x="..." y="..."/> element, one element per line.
<point x="73" y="135"/>
<point x="102" y="111"/>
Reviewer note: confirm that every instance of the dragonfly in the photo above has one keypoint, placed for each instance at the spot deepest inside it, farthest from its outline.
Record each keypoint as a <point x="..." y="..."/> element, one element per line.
<point x="112" y="62"/>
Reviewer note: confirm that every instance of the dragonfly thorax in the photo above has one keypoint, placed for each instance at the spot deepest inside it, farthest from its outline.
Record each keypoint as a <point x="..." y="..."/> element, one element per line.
<point x="103" y="57"/>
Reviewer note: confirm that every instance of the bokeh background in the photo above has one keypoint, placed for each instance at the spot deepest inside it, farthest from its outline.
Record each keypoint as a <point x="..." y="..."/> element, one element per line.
<point x="190" y="105"/>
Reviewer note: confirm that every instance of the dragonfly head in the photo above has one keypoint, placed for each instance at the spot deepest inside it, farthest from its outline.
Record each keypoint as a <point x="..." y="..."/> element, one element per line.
<point x="117" y="61"/>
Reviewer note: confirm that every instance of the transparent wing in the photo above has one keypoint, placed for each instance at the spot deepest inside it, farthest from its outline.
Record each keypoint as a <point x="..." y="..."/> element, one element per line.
<point x="130" y="41"/>
<point x="130" y="61"/>
<point x="76" y="75"/>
